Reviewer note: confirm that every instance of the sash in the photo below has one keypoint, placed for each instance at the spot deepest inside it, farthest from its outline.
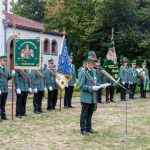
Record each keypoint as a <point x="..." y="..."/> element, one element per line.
<point x="52" y="72"/>
<point x="3" y="74"/>
<point x="126" y="71"/>
<point x="89" y="78"/>
<point x="93" y="83"/>
<point x="24" y="74"/>
<point x="39" y="74"/>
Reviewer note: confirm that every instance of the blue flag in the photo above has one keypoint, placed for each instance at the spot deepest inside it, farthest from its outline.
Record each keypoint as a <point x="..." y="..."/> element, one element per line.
<point x="64" y="63"/>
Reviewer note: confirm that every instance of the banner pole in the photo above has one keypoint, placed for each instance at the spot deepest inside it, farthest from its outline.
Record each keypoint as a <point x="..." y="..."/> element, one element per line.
<point x="60" y="99"/>
<point x="12" y="95"/>
<point x="12" y="117"/>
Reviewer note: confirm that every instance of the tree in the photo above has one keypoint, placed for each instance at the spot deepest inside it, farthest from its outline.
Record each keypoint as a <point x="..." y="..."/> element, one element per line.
<point x="32" y="9"/>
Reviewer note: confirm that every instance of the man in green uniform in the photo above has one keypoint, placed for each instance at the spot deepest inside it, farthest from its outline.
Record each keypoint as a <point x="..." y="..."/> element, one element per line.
<point x="38" y="86"/>
<point x="70" y="87"/>
<point x="23" y="86"/>
<point x="124" y="77"/>
<point x="132" y="79"/>
<point x="51" y="85"/>
<point x="144" y="83"/>
<point x="4" y="77"/>
<point x="88" y="85"/>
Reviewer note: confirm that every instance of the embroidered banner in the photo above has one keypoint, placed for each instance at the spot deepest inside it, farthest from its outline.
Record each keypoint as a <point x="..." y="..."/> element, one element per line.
<point x="27" y="53"/>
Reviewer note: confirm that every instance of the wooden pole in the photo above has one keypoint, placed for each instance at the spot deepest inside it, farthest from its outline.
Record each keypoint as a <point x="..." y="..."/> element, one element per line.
<point x="12" y="116"/>
<point x="12" y="97"/>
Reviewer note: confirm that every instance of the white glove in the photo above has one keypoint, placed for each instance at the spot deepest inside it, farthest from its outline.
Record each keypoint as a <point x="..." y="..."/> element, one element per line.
<point x="105" y="85"/>
<point x="13" y="72"/>
<point x="35" y="90"/>
<point x="0" y="92"/>
<point x="66" y="85"/>
<point x="30" y="90"/>
<point x="45" y="89"/>
<point x="75" y="85"/>
<point x="18" y="91"/>
<point x="130" y="82"/>
<point x="123" y="83"/>
<point x="50" y="88"/>
<point x="96" y="88"/>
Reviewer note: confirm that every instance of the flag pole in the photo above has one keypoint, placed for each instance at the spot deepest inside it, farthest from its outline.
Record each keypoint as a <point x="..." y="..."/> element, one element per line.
<point x="60" y="96"/>
<point x="12" y="95"/>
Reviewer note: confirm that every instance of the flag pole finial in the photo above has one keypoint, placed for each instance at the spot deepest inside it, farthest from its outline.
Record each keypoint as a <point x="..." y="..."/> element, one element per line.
<point x="112" y="33"/>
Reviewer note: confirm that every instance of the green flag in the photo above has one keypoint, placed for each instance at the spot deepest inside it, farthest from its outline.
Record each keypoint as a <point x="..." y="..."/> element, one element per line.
<point x="27" y="53"/>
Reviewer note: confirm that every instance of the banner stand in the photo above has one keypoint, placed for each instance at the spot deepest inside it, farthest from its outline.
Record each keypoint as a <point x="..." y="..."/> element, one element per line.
<point x="126" y="136"/>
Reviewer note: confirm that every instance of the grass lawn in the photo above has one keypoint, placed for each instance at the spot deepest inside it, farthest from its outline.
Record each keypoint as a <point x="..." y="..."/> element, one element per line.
<point x="60" y="130"/>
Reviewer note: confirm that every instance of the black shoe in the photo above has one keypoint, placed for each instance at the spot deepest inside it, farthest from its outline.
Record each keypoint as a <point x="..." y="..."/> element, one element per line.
<point x="18" y="116"/>
<point x="53" y="107"/>
<point x="123" y="100"/>
<point x="49" y="109"/>
<point x="84" y="133"/>
<point x="24" y="115"/>
<point x="37" y="112"/>
<point x="41" y="111"/>
<point x="112" y="101"/>
<point x="65" y="107"/>
<point x="91" y="131"/>
<point x="4" y="118"/>
<point x="71" y="107"/>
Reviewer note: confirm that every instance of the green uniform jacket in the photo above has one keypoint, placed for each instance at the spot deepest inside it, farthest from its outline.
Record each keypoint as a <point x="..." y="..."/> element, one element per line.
<point x="124" y="74"/>
<point x="132" y="75"/>
<point x="38" y="79"/>
<point x="4" y="79"/>
<point x="50" y="79"/>
<point x="73" y="75"/>
<point x="22" y="80"/>
<point x="87" y="95"/>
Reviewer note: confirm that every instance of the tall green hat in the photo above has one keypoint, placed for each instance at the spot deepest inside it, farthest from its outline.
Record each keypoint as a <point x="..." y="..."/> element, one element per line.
<point x="144" y="62"/>
<point x="71" y="54"/>
<point x="125" y="59"/>
<point x="134" y="62"/>
<point x="3" y="57"/>
<point x="99" y="59"/>
<point x="51" y="60"/>
<point x="111" y="46"/>
<point x="91" y="57"/>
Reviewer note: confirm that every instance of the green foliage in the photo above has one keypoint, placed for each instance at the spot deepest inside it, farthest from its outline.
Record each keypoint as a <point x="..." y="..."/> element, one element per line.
<point x="32" y="9"/>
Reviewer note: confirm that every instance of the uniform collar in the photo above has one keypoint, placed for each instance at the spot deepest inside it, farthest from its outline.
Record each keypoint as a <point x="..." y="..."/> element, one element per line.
<point x="2" y="66"/>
